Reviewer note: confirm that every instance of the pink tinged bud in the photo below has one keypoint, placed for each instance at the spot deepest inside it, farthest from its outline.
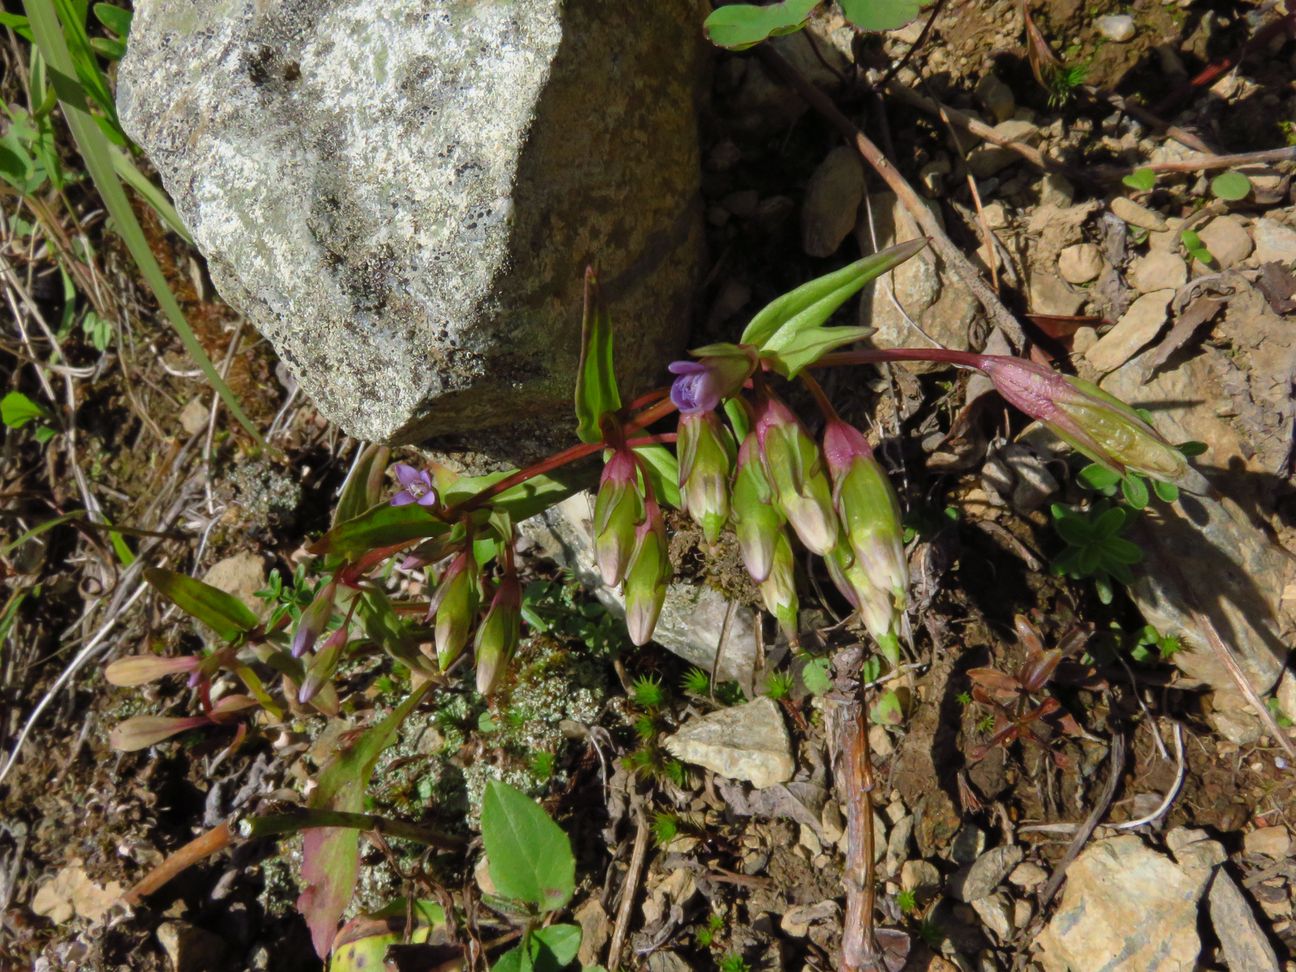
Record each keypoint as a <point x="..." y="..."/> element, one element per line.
<point x="869" y="510"/>
<point x="778" y="590"/>
<point x="313" y="620"/>
<point x="705" y="456"/>
<point x="455" y="605"/>
<point x="497" y="636"/>
<point x="322" y="666"/>
<point x="142" y="669"/>
<point x="794" y="468"/>
<point x="757" y="522"/>
<point x="646" y="577"/>
<point x="1094" y="423"/>
<point x="877" y="607"/>
<point x="618" y="510"/>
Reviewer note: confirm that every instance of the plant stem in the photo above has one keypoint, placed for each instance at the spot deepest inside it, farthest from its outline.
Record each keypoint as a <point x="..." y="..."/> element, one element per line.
<point x="860" y="949"/>
<point x="304" y="818"/>
<point x="966" y="359"/>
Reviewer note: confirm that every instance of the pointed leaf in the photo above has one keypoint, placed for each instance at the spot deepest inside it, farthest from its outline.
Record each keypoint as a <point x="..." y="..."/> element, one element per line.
<point x="596" y="385"/>
<point x="806" y="347"/>
<point x="529" y="856"/>
<point x="382" y="526"/>
<point x="16" y="410"/>
<point x="140" y="732"/>
<point x="142" y="669"/>
<point x="663" y="473"/>
<point x="224" y="613"/>
<point x="362" y="489"/>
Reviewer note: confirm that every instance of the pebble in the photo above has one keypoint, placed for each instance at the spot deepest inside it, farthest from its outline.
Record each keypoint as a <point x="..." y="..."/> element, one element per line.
<point x="920" y="877"/>
<point x="1228" y="240"/>
<point x="1116" y="27"/>
<point x="995" y="912"/>
<point x="968" y="844"/>
<point x="745" y="742"/>
<point x="1274" y="242"/>
<point x="194" y="416"/>
<point x="995" y="97"/>
<point x="1138" y="215"/>
<point x="1272" y="842"/>
<point x="832" y="202"/>
<point x="1136" y="328"/>
<point x="1027" y="875"/>
<point x="986" y="160"/>
<point x="1080" y="263"/>
<point x="1056" y="190"/>
<point x="987" y="872"/>
<point x="189" y="948"/>
<point x="1049" y="294"/>
<point x="1242" y="940"/>
<point x="1158" y="270"/>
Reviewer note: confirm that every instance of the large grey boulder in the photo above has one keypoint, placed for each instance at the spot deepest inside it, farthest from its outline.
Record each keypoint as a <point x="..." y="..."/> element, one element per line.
<point x="402" y="196"/>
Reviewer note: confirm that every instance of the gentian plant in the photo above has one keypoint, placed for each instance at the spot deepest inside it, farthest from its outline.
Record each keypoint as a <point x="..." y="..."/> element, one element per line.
<point x="742" y="459"/>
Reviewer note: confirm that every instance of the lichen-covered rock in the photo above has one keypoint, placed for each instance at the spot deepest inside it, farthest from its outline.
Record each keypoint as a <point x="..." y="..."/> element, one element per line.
<point x="403" y="196"/>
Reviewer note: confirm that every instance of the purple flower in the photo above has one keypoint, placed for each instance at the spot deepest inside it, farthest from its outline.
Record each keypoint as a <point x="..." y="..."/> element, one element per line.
<point x="719" y="374"/>
<point x="416" y="486"/>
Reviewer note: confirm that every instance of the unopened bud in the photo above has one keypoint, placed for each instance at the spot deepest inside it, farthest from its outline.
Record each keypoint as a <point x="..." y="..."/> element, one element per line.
<point x="646" y="577"/>
<point x="313" y="620"/>
<point x="497" y="635"/>
<point x="322" y="665"/>
<point x="618" y="510"/>
<point x="877" y="608"/>
<point x="455" y="605"/>
<point x="795" y="469"/>
<point x="757" y="521"/>
<point x="778" y="590"/>
<point x="1085" y="417"/>
<point x="705" y="451"/>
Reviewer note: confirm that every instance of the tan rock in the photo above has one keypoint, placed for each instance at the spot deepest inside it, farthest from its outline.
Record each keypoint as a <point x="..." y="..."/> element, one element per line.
<point x="1049" y="294"/>
<point x="1158" y="270"/>
<point x="1138" y="215"/>
<point x="1272" y="842"/>
<point x="1136" y="328"/>
<point x="1228" y="240"/>
<point x="1275" y="242"/>
<point x="1080" y="263"/>
<point x="745" y="742"/>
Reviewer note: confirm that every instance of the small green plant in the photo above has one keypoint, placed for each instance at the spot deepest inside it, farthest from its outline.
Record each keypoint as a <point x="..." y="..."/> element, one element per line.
<point x="1095" y="547"/>
<point x="779" y="685"/>
<point x="964" y="699"/>
<point x="706" y="935"/>
<point x="1280" y="717"/>
<point x="647" y="692"/>
<point x="1151" y="641"/>
<point x="816" y="675"/>
<point x="1230" y="186"/>
<point x="17" y="410"/>
<point x="696" y="682"/>
<point x="1288" y="130"/>
<point x="1141" y="180"/>
<point x="1065" y="82"/>
<point x="907" y="902"/>
<point x="741" y="25"/>
<point x="665" y="827"/>
<point x="730" y="693"/>
<point x="734" y="962"/>
<point x="1197" y="250"/>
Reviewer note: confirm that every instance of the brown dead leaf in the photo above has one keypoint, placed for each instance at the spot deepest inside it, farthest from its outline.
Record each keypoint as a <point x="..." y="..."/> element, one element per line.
<point x="1279" y="287"/>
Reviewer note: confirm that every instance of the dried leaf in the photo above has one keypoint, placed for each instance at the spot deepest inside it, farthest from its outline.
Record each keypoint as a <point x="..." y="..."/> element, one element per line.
<point x="1278" y="286"/>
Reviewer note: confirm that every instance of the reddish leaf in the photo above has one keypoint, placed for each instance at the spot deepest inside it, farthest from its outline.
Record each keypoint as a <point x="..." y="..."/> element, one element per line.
<point x="1038" y="669"/>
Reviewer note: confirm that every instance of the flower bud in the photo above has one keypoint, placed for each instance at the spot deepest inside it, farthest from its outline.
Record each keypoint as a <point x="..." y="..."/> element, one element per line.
<point x="877" y="608"/>
<point x="718" y="374"/>
<point x="322" y="666"/>
<point x="646" y="576"/>
<point x="454" y="604"/>
<point x="1085" y="417"/>
<point x="868" y="508"/>
<point x="778" y="590"/>
<point x="705" y="455"/>
<point x="497" y="635"/>
<point x="757" y="521"/>
<point x="794" y="468"/>
<point x="618" y="510"/>
<point x="313" y="620"/>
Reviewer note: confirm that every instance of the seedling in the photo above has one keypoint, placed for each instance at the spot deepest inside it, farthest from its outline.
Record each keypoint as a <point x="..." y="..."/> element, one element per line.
<point x="779" y="686"/>
<point x="647" y="692"/>
<point x="1095" y="547"/>
<point x="1151" y="641"/>
<point x="665" y="827"/>
<point x="17" y="410"/>
<point x="696" y="682"/>
<point x="907" y="902"/>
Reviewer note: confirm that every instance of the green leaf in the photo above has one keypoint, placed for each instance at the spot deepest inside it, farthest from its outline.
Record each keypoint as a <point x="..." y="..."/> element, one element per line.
<point x="362" y="489"/>
<point x="662" y="470"/>
<point x="16" y="410"/>
<point x="1141" y="180"/>
<point x="382" y="526"/>
<point x="1075" y="530"/>
<point x="17" y="23"/>
<point x="742" y="25"/>
<point x="1099" y="478"/>
<point x="94" y="147"/>
<point x="1135" y="491"/>
<point x="880" y="15"/>
<point x="1166" y="492"/>
<point x="804" y="348"/>
<point x="224" y="613"/>
<point x="1121" y="551"/>
<point x="560" y="941"/>
<point x="817" y="676"/>
<point x="738" y="420"/>
<point x="887" y="711"/>
<point x="537" y="494"/>
<point x="1110" y="523"/>
<point x="1230" y="186"/>
<point x="331" y="855"/>
<point x="1196" y="248"/>
<point x="114" y="18"/>
<point x="596" y="385"/>
<point x="529" y="856"/>
<point x="1191" y="449"/>
<point x="811" y="304"/>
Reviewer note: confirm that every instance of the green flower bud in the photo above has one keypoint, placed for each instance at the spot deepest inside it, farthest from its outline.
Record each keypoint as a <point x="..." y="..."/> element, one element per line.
<point x="646" y="576"/>
<point x="795" y="469"/>
<point x="778" y="590"/>
<point x="705" y="451"/>
<point x="618" y="510"/>
<point x="497" y="635"/>
<point x="455" y="606"/>
<point x="878" y="609"/>
<point x="757" y="521"/>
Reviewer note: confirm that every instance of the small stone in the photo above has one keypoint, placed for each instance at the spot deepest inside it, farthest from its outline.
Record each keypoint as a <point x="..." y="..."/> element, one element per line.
<point x="1158" y="270"/>
<point x="1022" y="913"/>
<point x="796" y="921"/>
<point x="968" y="845"/>
<point x="1272" y="842"/>
<point x="832" y="202"/>
<point x="1136" y="328"/>
<point x="595" y="930"/>
<point x="190" y="949"/>
<point x="1137" y="215"/>
<point x="745" y="742"/>
<point x="831" y="822"/>
<point x="1274" y="242"/>
<point x="880" y="742"/>
<point x="1169" y="238"/>
<point x="1228" y="240"/>
<point x="1080" y="263"/>
<point x="1195" y="849"/>
<point x="242" y="574"/>
<point x="995" y="912"/>
<point x="1049" y="294"/>
<point x="1027" y="875"/>
<point x="987" y="160"/>
<point x="194" y="416"/>
<point x="898" y="843"/>
<point x="920" y="877"/>
<point x="1243" y="941"/>
<point x="1083" y="339"/>
<point x="987" y="872"/>
<point x="1056" y="190"/>
<point x="996" y="214"/>
<point x="995" y="97"/>
<point x="1116" y="27"/>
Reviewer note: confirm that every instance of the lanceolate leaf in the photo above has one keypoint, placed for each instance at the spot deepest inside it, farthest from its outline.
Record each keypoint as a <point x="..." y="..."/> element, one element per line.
<point x="529" y="856"/>
<point x="331" y="855"/>
<point x="811" y="304"/>
<point x="879" y="15"/>
<point x="225" y="614"/>
<point x="663" y="473"/>
<point x="381" y="526"/>
<point x="596" y="386"/>
<point x="363" y="487"/>
<point x="742" y="25"/>
<point x="806" y="347"/>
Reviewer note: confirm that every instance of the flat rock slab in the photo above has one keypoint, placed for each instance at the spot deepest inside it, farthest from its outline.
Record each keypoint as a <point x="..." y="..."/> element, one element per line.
<point x="746" y="742"/>
<point x="1124" y="907"/>
<point x="403" y="196"/>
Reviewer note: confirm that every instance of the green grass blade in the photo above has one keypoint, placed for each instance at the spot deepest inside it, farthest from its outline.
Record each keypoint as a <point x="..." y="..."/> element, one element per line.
<point x="149" y="192"/>
<point x="94" y="145"/>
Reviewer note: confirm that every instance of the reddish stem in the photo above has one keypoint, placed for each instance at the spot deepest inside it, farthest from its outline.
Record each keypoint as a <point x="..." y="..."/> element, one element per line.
<point x="966" y="359"/>
<point x="820" y="398"/>
<point x="666" y="438"/>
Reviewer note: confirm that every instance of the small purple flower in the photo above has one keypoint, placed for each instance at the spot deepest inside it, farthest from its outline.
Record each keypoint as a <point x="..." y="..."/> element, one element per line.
<point x="694" y="390"/>
<point x="416" y="486"/>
